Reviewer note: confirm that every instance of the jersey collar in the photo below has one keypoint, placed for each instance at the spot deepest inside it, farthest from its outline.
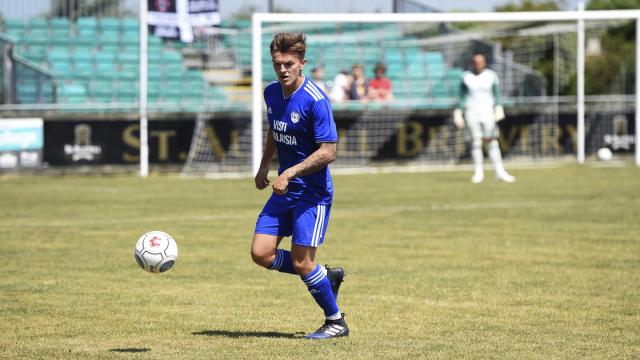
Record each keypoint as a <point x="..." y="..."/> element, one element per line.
<point x="294" y="91"/>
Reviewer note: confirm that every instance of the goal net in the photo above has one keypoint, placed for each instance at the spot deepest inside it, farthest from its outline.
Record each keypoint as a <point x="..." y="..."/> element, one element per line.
<point x="537" y="63"/>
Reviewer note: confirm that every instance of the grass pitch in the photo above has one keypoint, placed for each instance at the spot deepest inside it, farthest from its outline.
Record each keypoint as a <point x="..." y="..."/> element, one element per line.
<point x="548" y="267"/>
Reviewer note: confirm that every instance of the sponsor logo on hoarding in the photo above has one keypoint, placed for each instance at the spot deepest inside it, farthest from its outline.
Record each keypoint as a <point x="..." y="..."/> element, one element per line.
<point x="619" y="139"/>
<point x="82" y="148"/>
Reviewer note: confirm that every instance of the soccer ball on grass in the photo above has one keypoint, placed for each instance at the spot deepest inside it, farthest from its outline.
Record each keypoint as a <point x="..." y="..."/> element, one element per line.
<point x="156" y="251"/>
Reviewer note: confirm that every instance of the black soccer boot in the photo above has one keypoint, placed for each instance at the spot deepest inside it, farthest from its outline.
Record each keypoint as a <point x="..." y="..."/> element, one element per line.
<point x="331" y="329"/>
<point x="336" y="277"/>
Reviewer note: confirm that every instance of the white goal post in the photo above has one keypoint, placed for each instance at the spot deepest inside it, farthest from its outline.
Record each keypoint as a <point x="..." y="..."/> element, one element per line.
<point x="258" y="19"/>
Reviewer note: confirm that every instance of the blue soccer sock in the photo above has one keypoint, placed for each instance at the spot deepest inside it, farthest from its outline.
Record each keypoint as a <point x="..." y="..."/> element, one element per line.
<point x="320" y="289"/>
<point x="283" y="262"/>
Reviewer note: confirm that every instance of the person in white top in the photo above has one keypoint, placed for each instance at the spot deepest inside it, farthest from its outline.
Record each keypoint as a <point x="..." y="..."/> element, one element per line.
<point x="338" y="92"/>
<point x="480" y="99"/>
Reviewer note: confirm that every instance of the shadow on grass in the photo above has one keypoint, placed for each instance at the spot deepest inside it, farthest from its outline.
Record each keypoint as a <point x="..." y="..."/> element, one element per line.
<point x="241" y="334"/>
<point x="129" y="350"/>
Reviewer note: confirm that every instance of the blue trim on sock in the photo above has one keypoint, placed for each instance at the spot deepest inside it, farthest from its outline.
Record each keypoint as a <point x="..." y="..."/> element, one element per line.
<point x="283" y="262"/>
<point x="320" y="288"/>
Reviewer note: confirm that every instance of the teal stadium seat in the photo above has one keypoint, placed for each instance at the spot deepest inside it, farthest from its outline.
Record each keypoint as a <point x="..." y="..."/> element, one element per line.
<point x="169" y="57"/>
<point x="83" y="71"/>
<point x="87" y="38"/>
<point x="59" y="54"/>
<point x="36" y="54"/>
<point x="60" y="23"/>
<point x="72" y="93"/>
<point x="15" y="23"/>
<point x="87" y="23"/>
<point x="129" y="57"/>
<point x="83" y="55"/>
<point x="111" y="48"/>
<point x="38" y="37"/>
<point x="130" y="38"/>
<point x="15" y="35"/>
<point x="128" y="75"/>
<point x="103" y="57"/>
<point x="129" y="24"/>
<point x="109" y="24"/>
<point x="38" y="23"/>
<point x="154" y="72"/>
<point x="106" y="67"/>
<point x="109" y="38"/>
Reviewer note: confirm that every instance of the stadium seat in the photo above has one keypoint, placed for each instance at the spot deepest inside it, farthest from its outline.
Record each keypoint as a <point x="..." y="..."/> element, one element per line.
<point x="105" y="76"/>
<point x="59" y="54"/>
<point x="36" y="53"/>
<point x="86" y="38"/>
<point x="38" y="37"/>
<point x="83" y="71"/>
<point x="82" y="55"/>
<point x="109" y="38"/>
<point x="195" y="91"/>
<point x="168" y="57"/>
<point x="106" y="67"/>
<point x="434" y="58"/>
<point x="128" y="75"/>
<point x="15" y="35"/>
<point x="109" y="24"/>
<point x="129" y="24"/>
<point x="129" y="57"/>
<point x="60" y="23"/>
<point x="87" y="23"/>
<point x="134" y="67"/>
<point x="61" y="38"/>
<point x="38" y="23"/>
<point x="103" y="57"/>
<point x="15" y="23"/>
<point x="130" y="38"/>
<point x="72" y="93"/>
<point x="110" y="48"/>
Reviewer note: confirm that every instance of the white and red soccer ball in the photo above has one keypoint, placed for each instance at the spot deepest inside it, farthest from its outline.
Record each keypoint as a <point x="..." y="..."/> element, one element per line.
<point x="156" y="252"/>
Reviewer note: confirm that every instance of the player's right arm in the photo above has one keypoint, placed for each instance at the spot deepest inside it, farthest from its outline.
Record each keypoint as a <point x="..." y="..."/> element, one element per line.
<point x="261" y="179"/>
<point x="458" y="119"/>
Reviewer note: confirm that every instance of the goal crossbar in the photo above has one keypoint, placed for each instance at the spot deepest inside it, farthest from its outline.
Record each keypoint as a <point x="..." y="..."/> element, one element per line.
<point x="579" y="16"/>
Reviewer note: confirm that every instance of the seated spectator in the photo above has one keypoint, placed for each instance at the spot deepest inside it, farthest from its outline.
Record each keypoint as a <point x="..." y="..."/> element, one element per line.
<point x="317" y="75"/>
<point x="340" y="86"/>
<point x="380" y="87"/>
<point x="357" y="84"/>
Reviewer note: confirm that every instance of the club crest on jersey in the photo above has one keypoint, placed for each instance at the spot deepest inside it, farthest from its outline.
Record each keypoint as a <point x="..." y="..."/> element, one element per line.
<point x="295" y="117"/>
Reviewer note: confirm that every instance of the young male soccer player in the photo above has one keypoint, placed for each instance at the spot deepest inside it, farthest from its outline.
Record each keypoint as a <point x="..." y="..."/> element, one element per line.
<point x="480" y="97"/>
<point x="302" y="131"/>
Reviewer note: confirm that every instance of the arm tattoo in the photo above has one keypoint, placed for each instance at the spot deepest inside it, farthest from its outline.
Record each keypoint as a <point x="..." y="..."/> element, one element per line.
<point x="313" y="163"/>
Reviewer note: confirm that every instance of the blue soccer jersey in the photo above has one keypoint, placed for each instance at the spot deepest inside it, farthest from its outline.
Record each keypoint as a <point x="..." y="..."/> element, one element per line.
<point x="300" y="122"/>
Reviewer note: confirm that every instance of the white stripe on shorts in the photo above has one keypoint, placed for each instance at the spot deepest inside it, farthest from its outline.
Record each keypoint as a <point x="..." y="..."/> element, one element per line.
<point x="317" y="229"/>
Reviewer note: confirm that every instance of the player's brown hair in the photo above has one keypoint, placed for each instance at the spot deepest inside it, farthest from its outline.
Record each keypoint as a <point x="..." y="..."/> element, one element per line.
<point x="292" y="43"/>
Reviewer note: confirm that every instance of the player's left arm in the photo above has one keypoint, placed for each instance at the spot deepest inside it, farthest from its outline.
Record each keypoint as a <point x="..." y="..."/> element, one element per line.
<point x="326" y="136"/>
<point x="498" y="110"/>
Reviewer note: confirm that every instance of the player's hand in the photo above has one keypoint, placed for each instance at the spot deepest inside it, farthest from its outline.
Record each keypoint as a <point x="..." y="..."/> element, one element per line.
<point x="458" y="120"/>
<point x="281" y="184"/>
<point x="261" y="179"/>
<point x="498" y="113"/>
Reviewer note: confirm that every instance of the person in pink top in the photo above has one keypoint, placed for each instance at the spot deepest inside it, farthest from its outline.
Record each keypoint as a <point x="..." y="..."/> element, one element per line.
<point x="380" y="88"/>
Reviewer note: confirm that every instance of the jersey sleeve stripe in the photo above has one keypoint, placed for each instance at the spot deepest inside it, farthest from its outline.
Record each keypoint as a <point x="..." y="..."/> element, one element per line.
<point x="317" y="90"/>
<point x="315" y="97"/>
<point x="310" y="89"/>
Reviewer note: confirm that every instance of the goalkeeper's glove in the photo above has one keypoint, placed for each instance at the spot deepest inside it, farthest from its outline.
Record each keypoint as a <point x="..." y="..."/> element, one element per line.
<point x="458" y="120"/>
<point x="498" y="113"/>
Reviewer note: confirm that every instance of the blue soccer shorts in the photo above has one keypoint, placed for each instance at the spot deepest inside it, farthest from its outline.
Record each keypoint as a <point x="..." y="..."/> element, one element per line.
<point x="306" y="222"/>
